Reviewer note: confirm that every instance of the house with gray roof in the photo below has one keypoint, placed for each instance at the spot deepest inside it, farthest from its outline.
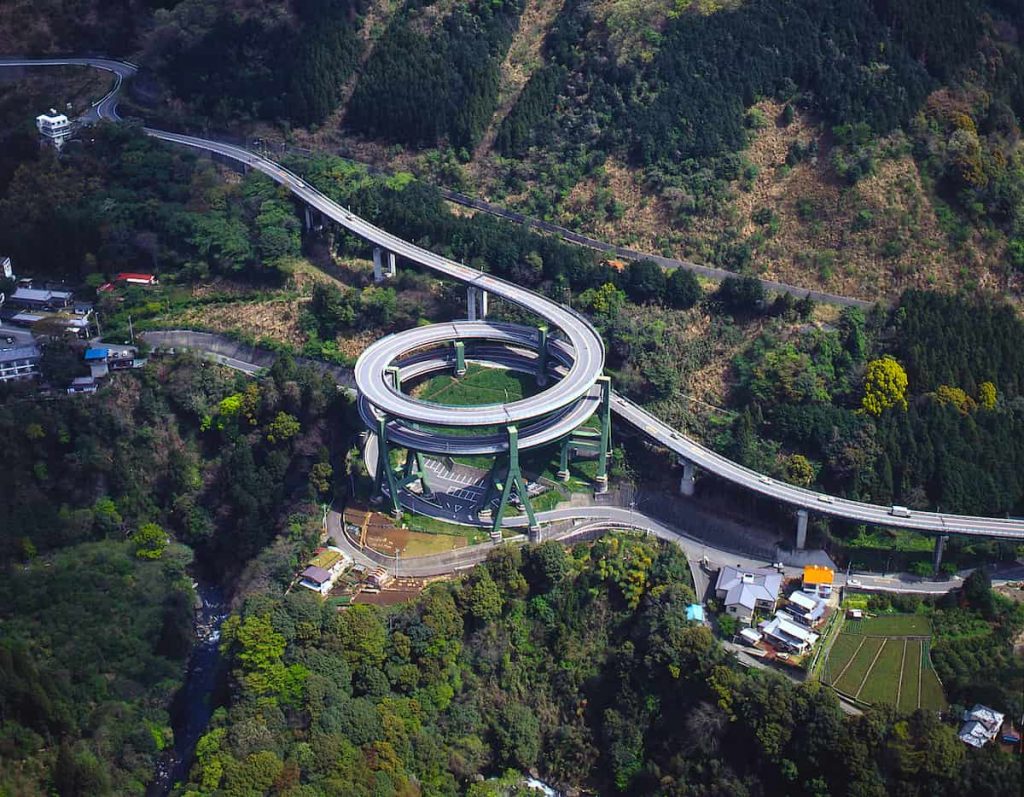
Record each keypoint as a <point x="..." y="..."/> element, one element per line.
<point x="742" y="591"/>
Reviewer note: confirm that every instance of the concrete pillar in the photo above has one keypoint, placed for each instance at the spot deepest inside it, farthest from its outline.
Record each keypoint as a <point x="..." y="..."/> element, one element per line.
<point x="542" y="358"/>
<point x="460" y="358"/>
<point x="471" y="303"/>
<point x="801" y="529"/>
<point x="392" y="269"/>
<point x="309" y="219"/>
<point x="378" y="274"/>
<point x="940" y="546"/>
<point x="688" y="479"/>
<point x="535" y="534"/>
<point x="483" y="305"/>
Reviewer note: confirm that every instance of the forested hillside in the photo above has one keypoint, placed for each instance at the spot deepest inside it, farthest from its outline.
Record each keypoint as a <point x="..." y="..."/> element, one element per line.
<point x="866" y="147"/>
<point x="121" y="200"/>
<point x="425" y="88"/>
<point x="579" y="664"/>
<point x="104" y="500"/>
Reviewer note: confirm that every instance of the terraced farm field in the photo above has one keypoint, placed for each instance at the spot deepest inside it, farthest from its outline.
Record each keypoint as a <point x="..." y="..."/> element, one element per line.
<point x="885" y="660"/>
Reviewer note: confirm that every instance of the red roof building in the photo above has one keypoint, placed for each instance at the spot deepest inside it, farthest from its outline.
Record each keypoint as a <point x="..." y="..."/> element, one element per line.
<point x="135" y="278"/>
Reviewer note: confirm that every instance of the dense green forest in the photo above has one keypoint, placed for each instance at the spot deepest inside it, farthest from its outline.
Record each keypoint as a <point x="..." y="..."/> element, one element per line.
<point x="96" y="615"/>
<point x="424" y="88"/>
<point x="579" y="664"/>
<point x="123" y="201"/>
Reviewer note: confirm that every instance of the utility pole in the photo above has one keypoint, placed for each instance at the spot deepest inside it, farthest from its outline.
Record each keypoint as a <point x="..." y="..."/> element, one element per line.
<point x="131" y="330"/>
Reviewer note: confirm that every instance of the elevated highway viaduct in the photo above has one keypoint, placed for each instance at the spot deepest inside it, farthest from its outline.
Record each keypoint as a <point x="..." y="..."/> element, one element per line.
<point x="578" y="336"/>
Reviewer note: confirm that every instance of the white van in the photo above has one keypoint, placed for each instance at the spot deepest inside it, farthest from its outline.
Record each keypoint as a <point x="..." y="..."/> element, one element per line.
<point x="899" y="511"/>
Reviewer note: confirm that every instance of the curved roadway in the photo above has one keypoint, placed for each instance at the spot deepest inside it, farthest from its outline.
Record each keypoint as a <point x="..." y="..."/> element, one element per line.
<point x="586" y="342"/>
<point x="375" y="384"/>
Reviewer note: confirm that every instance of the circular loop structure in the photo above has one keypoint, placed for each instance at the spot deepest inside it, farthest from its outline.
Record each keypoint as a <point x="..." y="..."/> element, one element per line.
<point x="446" y="429"/>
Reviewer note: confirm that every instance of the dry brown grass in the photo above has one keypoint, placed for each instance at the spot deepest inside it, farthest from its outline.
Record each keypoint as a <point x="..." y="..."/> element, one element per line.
<point x="645" y="216"/>
<point x="825" y="251"/>
<point x="712" y="384"/>
<point x="275" y="318"/>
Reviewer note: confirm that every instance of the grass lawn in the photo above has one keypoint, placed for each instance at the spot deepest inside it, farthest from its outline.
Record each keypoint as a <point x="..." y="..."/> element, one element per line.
<point x="883" y="682"/>
<point x="843" y="649"/>
<point x="479" y="385"/>
<point x="932" y="695"/>
<point x="429" y="525"/>
<point x="427" y="544"/>
<point x="911" y="676"/>
<point x="849" y="681"/>
<point x="880" y="660"/>
<point x="893" y="625"/>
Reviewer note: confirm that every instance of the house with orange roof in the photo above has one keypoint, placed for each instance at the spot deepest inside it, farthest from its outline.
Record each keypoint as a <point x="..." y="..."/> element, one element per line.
<point x="818" y="580"/>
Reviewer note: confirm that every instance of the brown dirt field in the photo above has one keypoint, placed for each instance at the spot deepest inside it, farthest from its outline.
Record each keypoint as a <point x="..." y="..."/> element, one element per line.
<point x="389" y="596"/>
<point x="411" y="543"/>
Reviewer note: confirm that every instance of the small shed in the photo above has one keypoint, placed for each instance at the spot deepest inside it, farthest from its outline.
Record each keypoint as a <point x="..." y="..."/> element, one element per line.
<point x="749" y="636"/>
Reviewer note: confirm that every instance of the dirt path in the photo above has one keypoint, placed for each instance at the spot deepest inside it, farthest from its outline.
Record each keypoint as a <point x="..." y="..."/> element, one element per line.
<point x="521" y="60"/>
<point x="903" y="664"/>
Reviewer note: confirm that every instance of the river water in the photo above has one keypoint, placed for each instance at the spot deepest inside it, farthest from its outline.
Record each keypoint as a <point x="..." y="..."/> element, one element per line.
<point x="193" y="705"/>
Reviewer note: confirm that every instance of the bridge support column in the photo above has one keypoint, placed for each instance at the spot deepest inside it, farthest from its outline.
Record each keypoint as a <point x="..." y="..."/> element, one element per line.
<point x="385" y="473"/>
<point x="378" y="272"/>
<point x="415" y="470"/>
<point x="476" y="303"/>
<point x="392" y="269"/>
<point x="940" y="547"/>
<point x="604" y="449"/>
<point x="542" y="357"/>
<point x="563" y="462"/>
<point x="309" y="219"/>
<point x="460" y="358"/>
<point x="396" y="377"/>
<point x="514" y="479"/>
<point x="688" y="480"/>
<point x="801" y="529"/>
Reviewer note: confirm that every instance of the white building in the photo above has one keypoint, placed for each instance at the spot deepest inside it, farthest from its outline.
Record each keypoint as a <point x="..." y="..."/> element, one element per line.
<point x="744" y="591"/>
<point x="54" y="126"/>
<point x="981" y="725"/>
<point x="323" y="570"/>
<point x="19" y="362"/>
<point x="6" y="268"/>
<point x="804" y="608"/>
<point x="783" y="632"/>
